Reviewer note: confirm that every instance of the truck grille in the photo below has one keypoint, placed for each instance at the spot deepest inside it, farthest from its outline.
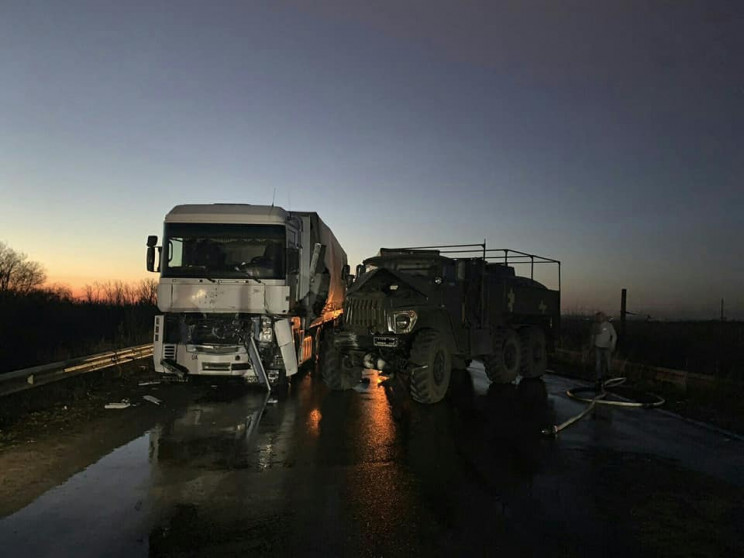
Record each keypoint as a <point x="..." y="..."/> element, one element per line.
<point x="364" y="313"/>
<point x="169" y="352"/>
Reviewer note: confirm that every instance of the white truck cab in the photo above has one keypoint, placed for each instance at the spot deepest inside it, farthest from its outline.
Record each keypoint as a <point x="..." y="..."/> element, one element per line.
<point x="244" y="290"/>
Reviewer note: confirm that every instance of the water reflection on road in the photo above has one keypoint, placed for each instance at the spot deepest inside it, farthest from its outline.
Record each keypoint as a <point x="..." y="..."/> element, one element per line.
<point x="365" y="472"/>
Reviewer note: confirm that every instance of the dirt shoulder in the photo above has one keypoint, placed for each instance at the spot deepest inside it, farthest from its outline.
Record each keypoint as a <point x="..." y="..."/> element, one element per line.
<point x="52" y="432"/>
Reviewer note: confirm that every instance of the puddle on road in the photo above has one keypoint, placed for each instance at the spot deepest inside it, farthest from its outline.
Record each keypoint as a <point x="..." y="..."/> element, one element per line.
<point x="107" y="508"/>
<point x="100" y="509"/>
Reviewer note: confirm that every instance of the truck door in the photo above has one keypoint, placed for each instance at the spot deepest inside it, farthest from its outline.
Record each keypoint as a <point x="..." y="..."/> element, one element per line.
<point x="472" y="294"/>
<point x="293" y="276"/>
<point x="452" y="300"/>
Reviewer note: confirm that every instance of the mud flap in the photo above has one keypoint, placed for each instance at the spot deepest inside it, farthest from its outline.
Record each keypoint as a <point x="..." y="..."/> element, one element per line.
<point x="256" y="363"/>
<point x="284" y="339"/>
<point x="175" y="368"/>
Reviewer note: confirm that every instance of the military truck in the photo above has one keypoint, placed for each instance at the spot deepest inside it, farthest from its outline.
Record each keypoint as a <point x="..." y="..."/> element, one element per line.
<point x="424" y="312"/>
<point x="244" y="290"/>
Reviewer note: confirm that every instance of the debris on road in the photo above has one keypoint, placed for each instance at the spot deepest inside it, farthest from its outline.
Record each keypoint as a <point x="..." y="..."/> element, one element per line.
<point x="152" y="399"/>
<point x="123" y="404"/>
<point x="272" y="401"/>
<point x="150" y="383"/>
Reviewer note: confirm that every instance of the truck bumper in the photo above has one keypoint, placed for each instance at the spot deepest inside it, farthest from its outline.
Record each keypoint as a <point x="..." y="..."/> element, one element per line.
<point x="226" y="361"/>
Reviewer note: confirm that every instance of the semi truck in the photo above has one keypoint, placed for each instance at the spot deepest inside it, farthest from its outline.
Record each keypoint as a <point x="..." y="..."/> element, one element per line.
<point x="426" y="312"/>
<point x="244" y="291"/>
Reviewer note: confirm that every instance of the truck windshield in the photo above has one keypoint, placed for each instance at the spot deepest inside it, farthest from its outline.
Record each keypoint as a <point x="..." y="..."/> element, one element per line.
<point x="224" y="251"/>
<point x="410" y="266"/>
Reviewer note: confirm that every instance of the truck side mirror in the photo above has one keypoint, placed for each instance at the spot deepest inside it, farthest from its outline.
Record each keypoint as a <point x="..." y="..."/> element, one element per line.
<point x="152" y="240"/>
<point x="359" y="270"/>
<point x="150" y="258"/>
<point x="293" y="260"/>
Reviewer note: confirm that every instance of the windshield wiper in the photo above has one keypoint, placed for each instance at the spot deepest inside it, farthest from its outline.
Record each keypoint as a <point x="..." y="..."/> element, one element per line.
<point x="242" y="268"/>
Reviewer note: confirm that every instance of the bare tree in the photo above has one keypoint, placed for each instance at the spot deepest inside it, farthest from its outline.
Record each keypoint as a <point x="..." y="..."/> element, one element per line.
<point x="117" y="293"/>
<point x="57" y="293"/>
<point x="91" y="294"/>
<point x="17" y="273"/>
<point x="147" y="292"/>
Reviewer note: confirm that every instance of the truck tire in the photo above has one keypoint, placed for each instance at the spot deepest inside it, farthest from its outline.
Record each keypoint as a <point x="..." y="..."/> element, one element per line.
<point x="315" y="366"/>
<point x="430" y="384"/>
<point x="282" y="384"/>
<point x="336" y="369"/>
<point x="502" y="367"/>
<point x="534" y="352"/>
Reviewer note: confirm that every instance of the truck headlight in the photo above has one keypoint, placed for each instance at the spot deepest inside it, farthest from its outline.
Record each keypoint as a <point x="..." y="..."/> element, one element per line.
<point x="404" y="321"/>
<point x="266" y="335"/>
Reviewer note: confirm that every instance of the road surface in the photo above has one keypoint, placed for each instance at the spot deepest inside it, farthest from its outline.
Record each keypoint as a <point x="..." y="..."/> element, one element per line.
<point x="370" y="473"/>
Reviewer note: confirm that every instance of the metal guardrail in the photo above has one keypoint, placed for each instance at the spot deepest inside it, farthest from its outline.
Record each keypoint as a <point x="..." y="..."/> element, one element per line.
<point x="622" y="367"/>
<point x="19" y="380"/>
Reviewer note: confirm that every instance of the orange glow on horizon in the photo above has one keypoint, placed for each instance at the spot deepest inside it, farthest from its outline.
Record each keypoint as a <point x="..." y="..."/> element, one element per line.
<point x="78" y="283"/>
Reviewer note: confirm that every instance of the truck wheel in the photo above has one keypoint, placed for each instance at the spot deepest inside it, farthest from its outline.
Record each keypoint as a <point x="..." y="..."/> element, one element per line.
<point x="282" y="384"/>
<point x="503" y="365"/>
<point x="534" y="353"/>
<point x="430" y="384"/>
<point x="336" y="369"/>
<point x="316" y="363"/>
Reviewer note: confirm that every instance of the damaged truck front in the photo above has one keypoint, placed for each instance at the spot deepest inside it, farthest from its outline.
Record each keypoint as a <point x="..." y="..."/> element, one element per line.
<point x="245" y="291"/>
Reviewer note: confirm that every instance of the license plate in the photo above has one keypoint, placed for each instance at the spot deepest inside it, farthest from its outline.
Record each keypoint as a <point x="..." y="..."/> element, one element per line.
<point x="386" y="341"/>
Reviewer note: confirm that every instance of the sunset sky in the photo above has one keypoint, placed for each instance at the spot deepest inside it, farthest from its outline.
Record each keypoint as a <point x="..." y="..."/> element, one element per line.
<point x="608" y="135"/>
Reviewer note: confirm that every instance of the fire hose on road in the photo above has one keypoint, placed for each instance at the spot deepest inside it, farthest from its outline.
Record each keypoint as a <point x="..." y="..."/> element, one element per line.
<point x="600" y="399"/>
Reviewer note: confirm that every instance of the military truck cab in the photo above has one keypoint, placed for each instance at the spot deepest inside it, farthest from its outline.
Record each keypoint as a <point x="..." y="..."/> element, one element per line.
<point x="422" y="313"/>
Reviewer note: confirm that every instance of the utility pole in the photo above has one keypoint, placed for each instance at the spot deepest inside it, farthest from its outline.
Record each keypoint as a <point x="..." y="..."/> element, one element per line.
<point x="623" y="310"/>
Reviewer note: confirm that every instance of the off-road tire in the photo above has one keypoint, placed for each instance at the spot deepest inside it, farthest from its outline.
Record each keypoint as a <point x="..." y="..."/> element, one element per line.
<point x="503" y="366"/>
<point x="336" y="369"/>
<point x="315" y="362"/>
<point x="534" y="352"/>
<point x="429" y="385"/>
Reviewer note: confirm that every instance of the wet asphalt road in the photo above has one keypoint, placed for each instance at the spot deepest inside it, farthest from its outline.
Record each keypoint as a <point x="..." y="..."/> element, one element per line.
<point x="369" y="473"/>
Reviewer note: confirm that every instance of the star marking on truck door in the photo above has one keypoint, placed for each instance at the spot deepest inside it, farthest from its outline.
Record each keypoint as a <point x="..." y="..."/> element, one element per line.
<point x="510" y="300"/>
<point x="542" y="307"/>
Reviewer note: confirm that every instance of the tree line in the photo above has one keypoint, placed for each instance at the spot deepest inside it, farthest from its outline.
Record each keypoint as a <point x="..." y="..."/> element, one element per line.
<point x="42" y="323"/>
<point x="17" y="274"/>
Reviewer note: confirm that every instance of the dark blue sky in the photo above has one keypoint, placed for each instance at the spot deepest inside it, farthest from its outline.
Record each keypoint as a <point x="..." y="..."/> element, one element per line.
<point x="605" y="134"/>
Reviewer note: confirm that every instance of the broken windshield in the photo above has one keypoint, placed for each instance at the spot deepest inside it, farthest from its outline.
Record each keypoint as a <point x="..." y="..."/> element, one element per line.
<point x="224" y="251"/>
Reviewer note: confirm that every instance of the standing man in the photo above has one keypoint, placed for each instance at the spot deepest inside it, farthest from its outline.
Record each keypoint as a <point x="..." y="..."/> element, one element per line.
<point x="603" y="340"/>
